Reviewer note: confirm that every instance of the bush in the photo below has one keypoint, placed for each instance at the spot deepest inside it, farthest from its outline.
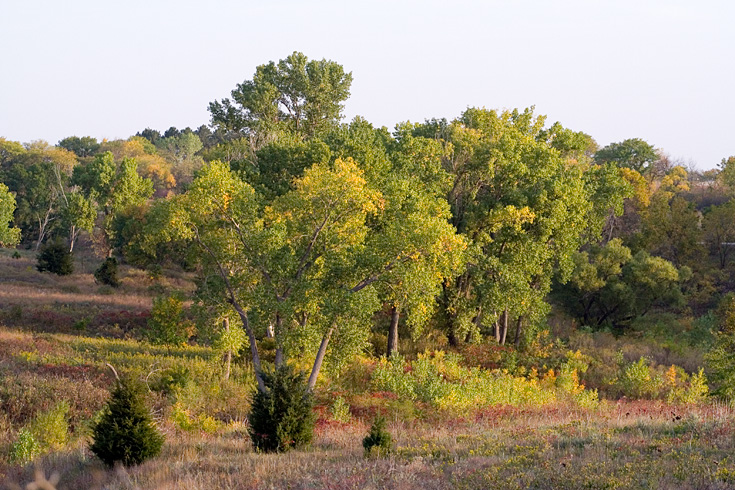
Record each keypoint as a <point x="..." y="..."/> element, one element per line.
<point x="51" y="427"/>
<point x="379" y="441"/>
<point x="106" y="273"/>
<point x="126" y="432"/>
<point x="340" y="410"/>
<point x="55" y="257"/>
<point x="167" y="324"/>
<point x="25" y="449"/>
<point x="281" y="417"/>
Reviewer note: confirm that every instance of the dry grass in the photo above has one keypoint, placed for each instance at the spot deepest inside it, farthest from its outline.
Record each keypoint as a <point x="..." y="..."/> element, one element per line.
<point x="625" y="445"/>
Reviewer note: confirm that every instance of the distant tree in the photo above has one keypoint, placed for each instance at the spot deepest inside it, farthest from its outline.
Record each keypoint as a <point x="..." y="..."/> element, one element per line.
<point x="39" y="177"/>
<point x="9" y="235"/>
<point x="150" y="134"/>
<point x="85" y="146"/>
<point x="670" y="228"/>
<point x="719" y="231"/>
<point x="55" y="257"/>
<point x="611" y="286"/>
<point x="633" y="153"/>
<point x="78" y="213"/>
<point x="727" y="173"/>
<point x="294" y="95"/>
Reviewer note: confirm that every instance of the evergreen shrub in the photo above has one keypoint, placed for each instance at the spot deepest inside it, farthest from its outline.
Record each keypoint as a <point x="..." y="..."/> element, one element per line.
<point x="106" y="273"/>
<point x="281" y="417"/>
<point x="125" y="433"/>
<point x="379" y="441"/>
<point x="55" y="257"/>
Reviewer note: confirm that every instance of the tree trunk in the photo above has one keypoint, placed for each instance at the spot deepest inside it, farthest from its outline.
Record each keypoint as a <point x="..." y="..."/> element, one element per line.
<point x="279" y="334"/>
<point x="253" y="346"/>
<point x="497" y="328"/>
<point x="228" y="356"/>
<point x="393" y="332"/>
<point x="519" y="325"/>
<point x="504" y="332"/>
<point x="319" y="358"/>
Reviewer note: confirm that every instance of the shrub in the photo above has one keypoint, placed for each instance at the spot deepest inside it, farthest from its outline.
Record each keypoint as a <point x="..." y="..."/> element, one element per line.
<point x="55" y="257"/>
<point x="167" y="324"/>
<point x="638" y="381"/>
<point x="25" y="448"/>
<point x="379" y="441"/>
<point x="340" y="410"/>
<point x="125" y="433"/>
<point x="281" y="417"/>
<point x="51" y="428"/>
<point x="106" y="273"/>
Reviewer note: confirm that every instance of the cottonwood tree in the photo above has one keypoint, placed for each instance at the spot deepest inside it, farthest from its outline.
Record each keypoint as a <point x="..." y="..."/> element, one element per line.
<point x="612" y="286"/>
<point x="294" y="95"/>
<point x="306" y="262"/>
<point x="524" y="208"/>
<point x="633" y="153"/>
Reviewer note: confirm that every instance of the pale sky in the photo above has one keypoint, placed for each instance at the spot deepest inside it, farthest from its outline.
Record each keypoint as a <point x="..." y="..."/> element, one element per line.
<point x="658" y="70"/>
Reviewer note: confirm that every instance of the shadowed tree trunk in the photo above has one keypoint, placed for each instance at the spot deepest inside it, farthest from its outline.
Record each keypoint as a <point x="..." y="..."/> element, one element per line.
<point x="228" y="356"/>
<point x="393" y="332"/>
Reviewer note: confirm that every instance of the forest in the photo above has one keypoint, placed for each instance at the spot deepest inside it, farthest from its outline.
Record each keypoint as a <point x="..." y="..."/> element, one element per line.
<point x="282" y="299"/>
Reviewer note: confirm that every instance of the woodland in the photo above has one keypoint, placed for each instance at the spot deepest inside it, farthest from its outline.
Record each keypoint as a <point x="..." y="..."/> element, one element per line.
<point x="282" y="299"/>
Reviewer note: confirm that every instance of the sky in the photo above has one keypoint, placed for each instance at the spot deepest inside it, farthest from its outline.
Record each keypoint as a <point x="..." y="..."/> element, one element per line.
<point x="661" y="70"/>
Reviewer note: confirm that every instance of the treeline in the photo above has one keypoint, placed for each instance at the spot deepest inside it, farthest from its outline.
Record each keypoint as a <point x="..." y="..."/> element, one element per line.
<point x="313" y="232"/>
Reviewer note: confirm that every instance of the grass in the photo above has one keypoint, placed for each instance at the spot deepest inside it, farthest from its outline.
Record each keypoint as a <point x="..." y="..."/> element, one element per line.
<point x="58" y="333"/>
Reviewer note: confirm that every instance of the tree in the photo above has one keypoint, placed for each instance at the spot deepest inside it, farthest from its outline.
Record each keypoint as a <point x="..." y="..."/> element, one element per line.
<point x="79" y="213"/>
<point x="308" y="261"/>
<point x="719" y="231"/>
<point x="632" y="153"/>
<point x="126" y="433"/>
<point x="611" y="286"/>
<point x="670" y="229"/>
<point x="524" y="208"/>
<point x="727" y="173"/>
<point x="85" y="146"/>
<point x="297" y="95"/>
<point x="115" y="190"/>
<point x="9" y="235"/>
<point x="39" y="178"/>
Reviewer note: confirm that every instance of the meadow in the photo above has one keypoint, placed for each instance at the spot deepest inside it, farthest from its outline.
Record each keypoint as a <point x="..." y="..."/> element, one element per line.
<point x="591" y="412"/>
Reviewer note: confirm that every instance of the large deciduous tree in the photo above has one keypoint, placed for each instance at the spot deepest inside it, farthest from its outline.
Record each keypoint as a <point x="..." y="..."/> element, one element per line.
<point x="525" y="206"/>
<point x="297" y="95"/>
<point x="632" y="153"/>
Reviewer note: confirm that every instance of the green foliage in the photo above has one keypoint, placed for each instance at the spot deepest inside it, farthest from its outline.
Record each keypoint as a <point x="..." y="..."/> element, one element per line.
<point x="25" y="448"/>
<point x="106" y="273"/>
<point x="441" y="380"/>
<point x="86" y="146"/>
<point x="50" y="428"/>
<point x="9" y="236"/>
<point x="295" y="94"/>
<point x="378" y="443"/>
<point x="340" y="410"/>
<point x="167" y="324"/>
<point x="56" y="258"/>
<point x="281" y="417"/>
<point x="126" y="433"/>
<point x="639" y="381"/>
<point x="610" y="286"/>
<point x="632" y="153"/>
<point x="721" y="358"/>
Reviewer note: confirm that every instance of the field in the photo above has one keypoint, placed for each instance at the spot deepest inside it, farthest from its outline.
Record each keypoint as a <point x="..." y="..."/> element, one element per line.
<point x="543" y="430"/>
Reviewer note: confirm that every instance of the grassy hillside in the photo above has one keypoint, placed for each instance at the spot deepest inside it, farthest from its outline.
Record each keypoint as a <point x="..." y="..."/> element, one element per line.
<point x="594" y="411"/>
